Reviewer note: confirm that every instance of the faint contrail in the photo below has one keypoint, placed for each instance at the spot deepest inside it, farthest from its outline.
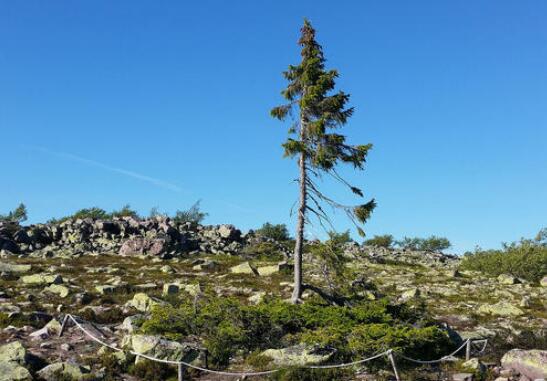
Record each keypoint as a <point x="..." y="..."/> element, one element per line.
<point x="125" y="172"/>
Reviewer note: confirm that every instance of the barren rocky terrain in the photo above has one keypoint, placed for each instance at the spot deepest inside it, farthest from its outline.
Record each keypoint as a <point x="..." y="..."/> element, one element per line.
<point x="112" y="274"/>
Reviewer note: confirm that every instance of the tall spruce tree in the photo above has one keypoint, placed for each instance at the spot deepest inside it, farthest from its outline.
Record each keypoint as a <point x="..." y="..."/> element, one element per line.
<point x="317" y="111"/>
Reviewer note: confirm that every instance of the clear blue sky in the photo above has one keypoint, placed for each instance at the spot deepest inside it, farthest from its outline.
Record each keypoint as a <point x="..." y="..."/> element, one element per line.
<point x="161" y="103"/>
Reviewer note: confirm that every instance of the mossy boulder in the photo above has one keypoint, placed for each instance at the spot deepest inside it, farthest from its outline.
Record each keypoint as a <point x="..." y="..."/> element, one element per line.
<point x="144" y="303"/>
<point x="507" y="279"/>
<point x="107" y="289"/>
<point x="12" y="371"/>
<point x="193" y="289"/>
<point x="58" y="289"/>
<point x="531" y="363"/>
<point x="273" y="269"/>
<point x="298" y="355"/>
<point x="41" y="279"/>
<point x="207" y="265"/>
<point x="170" y="289"/>
<point x="500" y="309"/>
<point x="13" y="358"/>
<point x="160" y="348"/>
<point x="66" y="369"/>
<point x="13" y="351"/>
<point x="410" y="294"/>
<point x="244" y="268"/>
<point x="13" y="268"/>
<point x="474" y="365"/>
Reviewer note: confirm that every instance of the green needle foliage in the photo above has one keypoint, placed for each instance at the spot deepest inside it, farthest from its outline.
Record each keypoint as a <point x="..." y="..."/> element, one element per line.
<point x="18" y="215"/>
<point x="318" y="111"/>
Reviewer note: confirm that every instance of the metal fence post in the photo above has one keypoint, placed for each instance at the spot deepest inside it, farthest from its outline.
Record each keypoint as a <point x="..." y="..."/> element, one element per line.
<point x="393" y="364"/>
<point x="63" y="325"/>
<point x="468" y="349"/>
<point x="181" y="377"/>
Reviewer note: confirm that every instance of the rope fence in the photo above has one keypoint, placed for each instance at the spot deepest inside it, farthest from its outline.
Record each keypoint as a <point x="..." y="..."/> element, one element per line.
<point x="390" y="354"/>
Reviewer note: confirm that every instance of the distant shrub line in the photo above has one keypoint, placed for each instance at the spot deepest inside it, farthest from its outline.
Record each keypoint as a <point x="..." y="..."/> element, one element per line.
<point x="526" y="259"/>
<point x="432" y="243"/>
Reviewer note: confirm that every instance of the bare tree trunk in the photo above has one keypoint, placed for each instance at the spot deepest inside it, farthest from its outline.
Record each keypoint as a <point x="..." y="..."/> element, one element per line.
<point x="297" y="292"/>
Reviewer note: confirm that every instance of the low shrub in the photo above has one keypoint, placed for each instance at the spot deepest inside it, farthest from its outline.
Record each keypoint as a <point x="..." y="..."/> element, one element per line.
<point x="526" y="259"/>
<point x="299" y="374"/>
<point x="17" y="215"/>
<point x="277" y="232"/>
<point x="193" y="215"/>
<point x="385" y="240"/>
<point x="432" y="243"/>
<point x="264" y="251"/>
<point x="151" y="370"/>
<point x="228" y="327"/>
<point x="17" y="320"/>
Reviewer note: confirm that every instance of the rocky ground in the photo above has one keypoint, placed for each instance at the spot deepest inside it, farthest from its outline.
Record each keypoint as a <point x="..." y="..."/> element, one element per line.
<point x="112" y="273"/>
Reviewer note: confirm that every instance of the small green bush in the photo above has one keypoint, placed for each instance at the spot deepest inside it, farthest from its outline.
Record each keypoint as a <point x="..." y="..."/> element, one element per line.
<point x="299" y="374"/>
<point x="228" y="327"/>
<point x="151" y="370"/>
<point x="18" y="215"/>
<point x="432" y="243"/>
<point x="385" y="240"/>
<point x="194" y="215"/>
<point x="17" y="320"/>
<point x="94" y="213"/>
<point x="125" y="211"/>
<point x="526" y="259"/>
<point x="264" y="251"/>
<point x="332" y="261"/>
<point x="277" y="232"/>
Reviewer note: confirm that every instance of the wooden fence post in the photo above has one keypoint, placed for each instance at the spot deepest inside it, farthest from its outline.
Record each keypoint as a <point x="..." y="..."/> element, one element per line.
<point x="468" y="349"/>
<point x="393" y="364"/>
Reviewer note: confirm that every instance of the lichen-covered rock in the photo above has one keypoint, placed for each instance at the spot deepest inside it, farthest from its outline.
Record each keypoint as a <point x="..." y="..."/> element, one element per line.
<point x="299" y="355"/>
<point x="273" y="269"/>
<point x="131" y="323"/>
<point x="14" y="268"/>
<point x="167" y="269"/>
<point x="142" y="246"/>
<point x="114" y="286"/>
<point x="474" y="365"/>
<point x="244" y="268"/>
<point x="207" y="265"/>
<point x="67" y="369"/>
<point x="500" y="309"/>
<point x="58" y="289"/>
<point x="507" y="279"/>
<point x="462" y="377"/>
<point x="13" y="358"/>
<point x="193" y="289"/>
<point x="530" y="363"/>
<point x="161" y="348"/>
<point x="41" y="279"/>
<point x="170" y="289"/>
<point x="543" y="281"/>
<point x="229" y="232"/>
<point x="13" y="351"/>
<point x="257" y="298"/>
<point x="410" y="294"/>
<point x="144" y="303"/>
<point x="12" y="371"/>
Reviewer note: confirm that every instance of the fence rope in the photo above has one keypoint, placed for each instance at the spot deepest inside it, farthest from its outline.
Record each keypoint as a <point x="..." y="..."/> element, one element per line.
<point x="485" y="343"/>
<point x="389" y="353"/>
<point x="434" y="361"/>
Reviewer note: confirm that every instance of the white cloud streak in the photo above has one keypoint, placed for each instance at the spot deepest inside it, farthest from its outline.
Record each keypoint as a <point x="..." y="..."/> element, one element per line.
<point x="151" y="180"/>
